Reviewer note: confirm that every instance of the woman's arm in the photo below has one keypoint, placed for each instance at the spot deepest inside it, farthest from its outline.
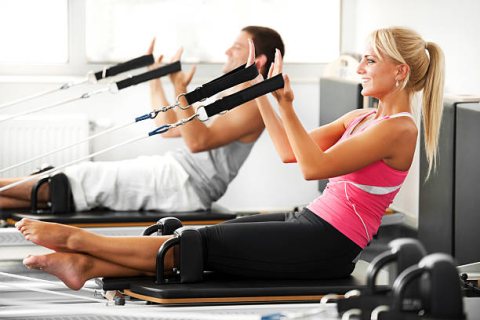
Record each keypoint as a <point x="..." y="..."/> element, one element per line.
<point x="276" y="130"/>
<point x="324" y="136"/>
<point x="317" y="154"/>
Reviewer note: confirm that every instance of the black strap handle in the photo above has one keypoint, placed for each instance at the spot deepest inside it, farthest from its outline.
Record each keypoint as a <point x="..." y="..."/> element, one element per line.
<point x="226" y="81"/>
<point x="241" y="97"/>
<point x="153" y="74"/>
<point x="136" y="63"/>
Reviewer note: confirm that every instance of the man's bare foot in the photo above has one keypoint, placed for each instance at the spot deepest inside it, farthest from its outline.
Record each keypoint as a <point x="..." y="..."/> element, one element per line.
<point x="71" y="268"/>
<point x="58" y="237"/>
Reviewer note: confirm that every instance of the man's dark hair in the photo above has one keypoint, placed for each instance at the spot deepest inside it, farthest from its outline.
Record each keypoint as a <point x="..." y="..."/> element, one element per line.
<point x="266" y="40"/>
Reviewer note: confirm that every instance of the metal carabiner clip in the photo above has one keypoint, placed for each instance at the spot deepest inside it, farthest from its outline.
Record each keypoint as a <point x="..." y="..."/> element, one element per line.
<point x="177" y="103"/>
<point x="203" y="115"/>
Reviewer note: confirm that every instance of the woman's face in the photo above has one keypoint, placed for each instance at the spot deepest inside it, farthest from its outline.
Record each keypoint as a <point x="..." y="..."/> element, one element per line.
<point x="378" y="76"/>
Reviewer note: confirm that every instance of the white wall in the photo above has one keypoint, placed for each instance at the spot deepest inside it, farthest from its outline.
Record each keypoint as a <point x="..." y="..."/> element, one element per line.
<point x="453" y="25"/>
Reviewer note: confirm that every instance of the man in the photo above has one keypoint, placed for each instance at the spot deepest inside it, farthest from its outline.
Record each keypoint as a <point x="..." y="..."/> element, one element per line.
<point x="186" y="179"/>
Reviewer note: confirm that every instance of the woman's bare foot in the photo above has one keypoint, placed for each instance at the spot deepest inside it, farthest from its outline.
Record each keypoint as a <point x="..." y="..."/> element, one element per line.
<point x="58" y="237"/>
<point x="71" y="268"/>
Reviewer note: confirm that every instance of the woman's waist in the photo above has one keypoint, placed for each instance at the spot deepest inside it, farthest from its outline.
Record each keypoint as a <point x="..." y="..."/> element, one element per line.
<point x="341" y="197"/>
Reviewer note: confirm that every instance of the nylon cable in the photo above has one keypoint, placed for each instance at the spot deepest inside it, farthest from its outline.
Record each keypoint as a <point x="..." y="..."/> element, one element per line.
<point x="84" y="96"/>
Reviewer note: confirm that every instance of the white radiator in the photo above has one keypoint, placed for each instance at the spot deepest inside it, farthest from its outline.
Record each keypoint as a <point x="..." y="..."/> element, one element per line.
<point x="30" y="136"/>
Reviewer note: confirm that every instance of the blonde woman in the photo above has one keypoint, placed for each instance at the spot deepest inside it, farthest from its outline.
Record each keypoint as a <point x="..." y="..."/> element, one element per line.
<point x="366" y="154"/>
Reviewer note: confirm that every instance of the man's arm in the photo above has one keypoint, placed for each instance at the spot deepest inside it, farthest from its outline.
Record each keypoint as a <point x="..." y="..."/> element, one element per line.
<point x="242" y="123"/>
<point x="159" y="100"/>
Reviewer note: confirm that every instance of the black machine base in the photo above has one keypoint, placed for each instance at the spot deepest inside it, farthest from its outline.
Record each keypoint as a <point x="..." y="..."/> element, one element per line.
<point x="219" y="289"/>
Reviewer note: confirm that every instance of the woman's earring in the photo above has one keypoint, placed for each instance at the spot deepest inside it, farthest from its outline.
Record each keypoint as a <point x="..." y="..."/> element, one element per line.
<point x="396" y="83"/>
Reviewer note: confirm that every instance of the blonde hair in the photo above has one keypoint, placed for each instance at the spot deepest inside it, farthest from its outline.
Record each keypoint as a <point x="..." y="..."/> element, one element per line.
<point x="427" y="73"/>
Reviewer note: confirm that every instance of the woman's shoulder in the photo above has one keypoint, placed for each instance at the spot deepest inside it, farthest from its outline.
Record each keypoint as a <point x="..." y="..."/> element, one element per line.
<point x="396" y="130"/>
<point x="404" y="126"/>
<point x="354" y="114"/>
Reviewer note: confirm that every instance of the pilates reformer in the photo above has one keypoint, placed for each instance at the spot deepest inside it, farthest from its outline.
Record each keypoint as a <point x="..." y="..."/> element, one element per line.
<point x="424" y="286"/>
<point x="60" y="206"/>
<point x="431" y="282"/>
<point x="189" y="284"/>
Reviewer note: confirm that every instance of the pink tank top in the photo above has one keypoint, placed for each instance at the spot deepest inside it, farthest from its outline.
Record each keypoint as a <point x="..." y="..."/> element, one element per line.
<point x="355" y="203"/>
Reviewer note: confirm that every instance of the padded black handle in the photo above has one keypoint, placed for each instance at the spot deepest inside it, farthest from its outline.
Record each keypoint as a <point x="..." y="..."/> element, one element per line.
<point x="136" y="63"/>
<point x="226" y="81"/>
<point x="147" y="76"/>
<point x="241" y="97"/>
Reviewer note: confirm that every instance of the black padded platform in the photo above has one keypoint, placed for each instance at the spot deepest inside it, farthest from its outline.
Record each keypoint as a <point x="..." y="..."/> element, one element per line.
<point x="218" y="289"/>
<point x="103" y="218"/>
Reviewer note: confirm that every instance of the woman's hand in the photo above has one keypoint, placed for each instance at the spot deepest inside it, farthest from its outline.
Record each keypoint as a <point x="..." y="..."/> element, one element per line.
<point x="284" y="95"/>
<point x="180" y="79"/>
<point x="251" y="60"/>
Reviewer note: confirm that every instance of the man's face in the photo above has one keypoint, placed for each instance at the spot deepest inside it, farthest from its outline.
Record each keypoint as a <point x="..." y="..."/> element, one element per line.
<point x="237" y="54"/>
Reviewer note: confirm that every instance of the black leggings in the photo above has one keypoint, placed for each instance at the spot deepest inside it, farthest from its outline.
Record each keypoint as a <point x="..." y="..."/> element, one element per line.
<point x="297" y="245"/>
